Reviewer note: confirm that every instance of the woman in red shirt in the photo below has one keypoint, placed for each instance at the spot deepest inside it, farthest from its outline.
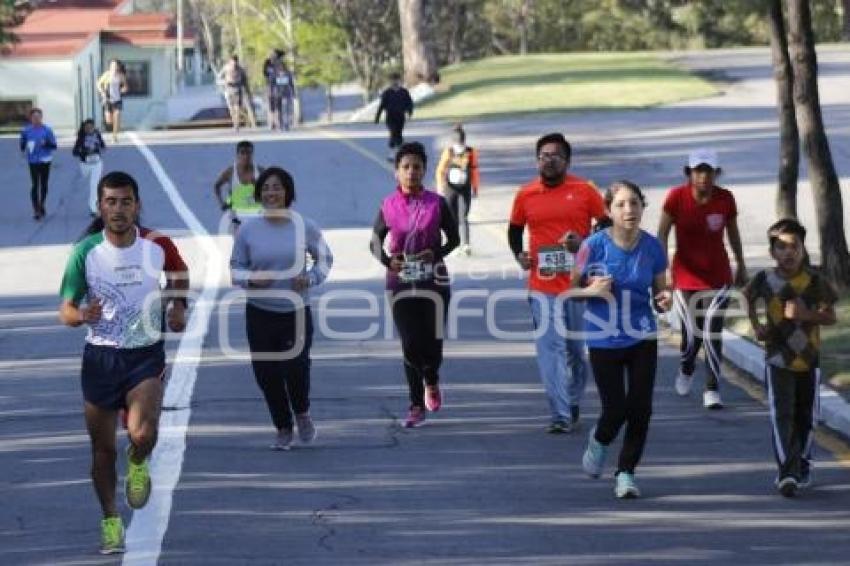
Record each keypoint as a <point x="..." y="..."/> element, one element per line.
<point x="701" y="273"/>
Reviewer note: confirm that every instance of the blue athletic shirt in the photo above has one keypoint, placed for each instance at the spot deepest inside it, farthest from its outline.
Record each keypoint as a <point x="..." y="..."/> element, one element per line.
<point x="633" y="272"/>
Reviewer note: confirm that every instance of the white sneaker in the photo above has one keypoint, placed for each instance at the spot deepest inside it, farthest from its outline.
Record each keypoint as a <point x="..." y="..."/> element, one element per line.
<point x="711" y="400"/>
<point x="466" y="249"/>
<point x="683" y="383"/>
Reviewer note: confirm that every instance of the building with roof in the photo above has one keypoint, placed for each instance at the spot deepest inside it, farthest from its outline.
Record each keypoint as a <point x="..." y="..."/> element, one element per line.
<point x="63" y="46"/>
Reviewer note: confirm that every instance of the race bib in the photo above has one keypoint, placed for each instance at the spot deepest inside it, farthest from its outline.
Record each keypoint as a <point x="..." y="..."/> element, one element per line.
<point x="552" y="260"/>
<point x="30" y="146"/>
<point x="414" y="271"/>
<point x="130" y="275"/>
<point x="92" y="158"/>
<point x="282" y="80"/>
<point x="457" y="176"/>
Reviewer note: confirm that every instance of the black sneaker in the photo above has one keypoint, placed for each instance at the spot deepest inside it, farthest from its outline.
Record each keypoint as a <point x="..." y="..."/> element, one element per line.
<point x="787" y="486"/>
<point x="806" y="476"/>
<point x="558" y="427"/>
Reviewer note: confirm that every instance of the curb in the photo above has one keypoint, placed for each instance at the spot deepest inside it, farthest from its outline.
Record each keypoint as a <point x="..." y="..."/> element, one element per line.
<point x="749" y="357"/>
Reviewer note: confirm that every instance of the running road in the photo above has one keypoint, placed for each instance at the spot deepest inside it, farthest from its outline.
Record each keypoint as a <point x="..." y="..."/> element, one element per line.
<point x="480" y="484"/>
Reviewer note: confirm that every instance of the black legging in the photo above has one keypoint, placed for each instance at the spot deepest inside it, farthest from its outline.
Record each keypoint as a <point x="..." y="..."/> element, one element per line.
<point x="459" y="200"/>
<point x="420" y="330"/>
<point x="39" y="173"/>
<point x="284" y="382"/>
<point x="625" y="379"/>
<point x="395" y="126"/>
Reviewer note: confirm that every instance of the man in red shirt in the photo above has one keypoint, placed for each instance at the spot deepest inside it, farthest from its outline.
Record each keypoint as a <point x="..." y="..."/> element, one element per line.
<point x="702" y="276"/>
<point x="558" y="209"/>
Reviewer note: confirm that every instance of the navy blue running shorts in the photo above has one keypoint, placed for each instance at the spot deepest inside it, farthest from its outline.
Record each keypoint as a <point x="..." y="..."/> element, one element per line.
<point x="109" y="373"/>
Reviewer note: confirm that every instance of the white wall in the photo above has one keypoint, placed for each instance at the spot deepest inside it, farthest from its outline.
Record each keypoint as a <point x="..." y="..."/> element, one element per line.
<point x="86" y="68"/>
<point x="148" y="111"/>
<point x="50" y="84"/>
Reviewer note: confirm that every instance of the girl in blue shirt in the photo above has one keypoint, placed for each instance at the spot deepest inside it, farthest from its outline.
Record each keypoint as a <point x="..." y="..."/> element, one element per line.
<point x="37" y="144"/>
<point x="622" y="272"/>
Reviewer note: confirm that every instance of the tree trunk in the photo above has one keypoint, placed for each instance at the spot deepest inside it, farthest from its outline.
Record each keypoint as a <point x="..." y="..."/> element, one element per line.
<point x="845" y="34"/>
<point x="835" y="259"/>
<point x="455" y="54"/>
<point x="789" y="150"/>
<point x="237" y="33"/>
<point x="522" y="21"/>
<point x="420" y="61"/>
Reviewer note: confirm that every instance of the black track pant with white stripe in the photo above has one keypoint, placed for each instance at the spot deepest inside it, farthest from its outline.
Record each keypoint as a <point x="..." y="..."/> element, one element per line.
<point x="793" y="407"/>
<point x="701" y="314"/>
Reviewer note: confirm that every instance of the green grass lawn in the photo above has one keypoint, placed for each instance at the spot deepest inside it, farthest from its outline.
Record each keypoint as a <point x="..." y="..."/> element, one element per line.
<point x="557" y="82"/>
<point x="835" y="346"/>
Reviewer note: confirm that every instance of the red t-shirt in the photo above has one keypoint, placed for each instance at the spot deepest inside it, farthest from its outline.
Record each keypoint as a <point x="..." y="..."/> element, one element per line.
<point x="551" y="212"/>
<point x="701" y="261"/>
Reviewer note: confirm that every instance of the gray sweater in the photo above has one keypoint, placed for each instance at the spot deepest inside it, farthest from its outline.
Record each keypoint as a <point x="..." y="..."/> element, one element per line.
<point x="280" y="249"/>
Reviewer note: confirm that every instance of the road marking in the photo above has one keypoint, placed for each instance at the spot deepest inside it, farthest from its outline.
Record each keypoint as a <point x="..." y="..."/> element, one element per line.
<point x="382" y="163"/>
<point x="148" y="526"/>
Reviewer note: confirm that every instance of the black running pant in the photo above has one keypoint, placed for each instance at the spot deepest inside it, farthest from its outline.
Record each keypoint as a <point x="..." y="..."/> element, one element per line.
<point x="793" y="397"/>
<point x="39" y="174"/>
<point x="419" y="321"/>
<point x="701" y="314"/>
<point x="459" y="200"/>
<point x="284" y="340"/>
<point x="625" y="379"/>
<point x="395" y="125"/>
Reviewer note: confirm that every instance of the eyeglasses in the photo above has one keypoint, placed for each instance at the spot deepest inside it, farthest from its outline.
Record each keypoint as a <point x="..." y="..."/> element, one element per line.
<point x="551" y="157"/>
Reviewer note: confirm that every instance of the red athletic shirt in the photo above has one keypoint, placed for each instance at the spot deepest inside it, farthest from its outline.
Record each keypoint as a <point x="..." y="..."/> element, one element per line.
<point x="701" y="261"/>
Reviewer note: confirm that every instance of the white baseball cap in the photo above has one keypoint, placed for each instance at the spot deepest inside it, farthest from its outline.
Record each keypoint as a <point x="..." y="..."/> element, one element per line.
<point x="703" y="157"/>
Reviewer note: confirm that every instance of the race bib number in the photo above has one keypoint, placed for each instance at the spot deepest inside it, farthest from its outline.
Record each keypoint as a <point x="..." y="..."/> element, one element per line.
<point x="552" y="260"/>
<point x="130" y="275"/>
<point x="414" y="271"/>
<point x="457" y="176"/>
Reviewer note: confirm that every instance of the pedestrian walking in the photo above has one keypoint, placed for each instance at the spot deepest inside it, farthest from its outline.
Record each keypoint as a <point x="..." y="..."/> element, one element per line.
<point x="796" y="300"/>
<point x="269" y="261"/>
<point x="112" y="285"/>
<point x="37" y="144"/>
<point x="458" y="180"/>
<point x="415" y="220"/>
<point x="397" y="105"/>
<point x="280" y="91"/>
<point x="615" y="270"/>
<point x="237" y="91"/>
<point x="89" y="148"/>
<point x="700" y="271"/>
<point x="559" y="209"/>
<point x="112" y="85"/>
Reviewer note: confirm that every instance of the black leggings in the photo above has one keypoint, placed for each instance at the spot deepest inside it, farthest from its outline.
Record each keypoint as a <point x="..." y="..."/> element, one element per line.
<point x="625" y="379"/>
<point x="284" y="382"/>
<point x="701" y="317"/>
<point x="395" y="126"/>
<point x="459" y="201"/>
<point x="39" y="174"/>
<point x="417" y="319"/>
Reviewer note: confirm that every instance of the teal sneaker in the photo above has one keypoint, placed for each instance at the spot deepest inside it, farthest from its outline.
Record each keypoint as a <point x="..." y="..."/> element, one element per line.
<point x="626" y="487"/>
<point x="593" y="460"/>
<point x="137" y="487"/>
<point x="111" y="535"/>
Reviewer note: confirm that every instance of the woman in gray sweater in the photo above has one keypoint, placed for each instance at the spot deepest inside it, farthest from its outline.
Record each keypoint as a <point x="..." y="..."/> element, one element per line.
<point x="269" y="261"/>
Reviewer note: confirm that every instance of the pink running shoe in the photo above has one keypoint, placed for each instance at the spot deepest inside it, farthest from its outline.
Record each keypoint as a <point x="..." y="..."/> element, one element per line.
<point x="415" y="418"/>
<point x="433" y="397"/>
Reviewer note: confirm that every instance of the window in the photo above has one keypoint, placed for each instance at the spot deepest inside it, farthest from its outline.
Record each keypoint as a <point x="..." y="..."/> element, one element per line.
<point x="13" y="113"/>
<point x="138" y="78"/>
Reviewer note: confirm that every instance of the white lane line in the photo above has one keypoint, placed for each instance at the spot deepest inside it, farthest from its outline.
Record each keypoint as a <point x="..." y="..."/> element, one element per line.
<point x="148" y="526"/>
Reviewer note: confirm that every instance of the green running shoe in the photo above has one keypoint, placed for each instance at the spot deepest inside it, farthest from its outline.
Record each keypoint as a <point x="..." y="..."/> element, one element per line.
<point x="138" y="483"/>
<point x="111" y="535"/>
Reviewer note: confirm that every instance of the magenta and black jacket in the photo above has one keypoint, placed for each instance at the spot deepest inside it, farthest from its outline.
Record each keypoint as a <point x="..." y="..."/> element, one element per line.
<point x="415" y="223"/>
